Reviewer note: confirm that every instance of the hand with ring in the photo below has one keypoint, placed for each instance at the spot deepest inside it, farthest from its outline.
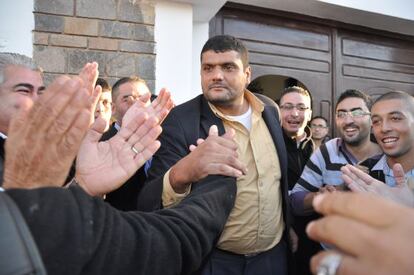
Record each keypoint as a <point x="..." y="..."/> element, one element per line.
<point x="102" y="167"/>
<point x="372" y="235"/>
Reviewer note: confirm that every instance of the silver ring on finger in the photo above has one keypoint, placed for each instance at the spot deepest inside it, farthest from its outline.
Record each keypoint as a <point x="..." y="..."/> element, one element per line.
<point x="134" y="150"/>
<point x="329" y="264"/>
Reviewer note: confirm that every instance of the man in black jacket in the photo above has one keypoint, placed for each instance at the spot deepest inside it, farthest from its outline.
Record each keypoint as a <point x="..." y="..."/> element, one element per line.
<point x="78" y="234"/>
<point x="238" y="135"/>
<point x="296" y="112"/>
<point x="125" y="92"/>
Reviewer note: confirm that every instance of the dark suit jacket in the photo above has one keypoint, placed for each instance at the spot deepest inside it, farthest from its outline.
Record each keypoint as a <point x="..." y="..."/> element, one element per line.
<point x="125" y="197"/>
<point x="79" y="234"/>
<point x="183" y="126"/>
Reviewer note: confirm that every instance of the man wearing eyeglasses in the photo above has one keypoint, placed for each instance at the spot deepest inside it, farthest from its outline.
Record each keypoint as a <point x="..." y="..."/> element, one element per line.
<point x="295" y="113"/>
<point x="295" y="110"/>
<point x="393" y="126"/>
<point x="125" y="92"/>
<point x="320" y="129"/>
<point x="322" y="172"/>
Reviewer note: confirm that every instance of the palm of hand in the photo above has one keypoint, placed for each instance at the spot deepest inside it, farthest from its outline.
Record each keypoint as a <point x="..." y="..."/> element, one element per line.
<point x="106" y="165"/>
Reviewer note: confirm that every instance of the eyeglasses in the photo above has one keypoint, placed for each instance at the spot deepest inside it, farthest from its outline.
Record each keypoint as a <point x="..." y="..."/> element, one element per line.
<point x="358" y="113"/>
<point x="289" y="107"/>
<point x="315" y="126"/>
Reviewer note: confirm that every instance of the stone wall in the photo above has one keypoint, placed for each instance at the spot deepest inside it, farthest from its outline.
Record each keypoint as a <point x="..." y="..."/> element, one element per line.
<point x="118" y="34"/>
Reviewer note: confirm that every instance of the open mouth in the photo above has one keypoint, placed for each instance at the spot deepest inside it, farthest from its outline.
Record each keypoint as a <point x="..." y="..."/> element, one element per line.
<point x="389" y="140"/>
<point x="350" y="130"/>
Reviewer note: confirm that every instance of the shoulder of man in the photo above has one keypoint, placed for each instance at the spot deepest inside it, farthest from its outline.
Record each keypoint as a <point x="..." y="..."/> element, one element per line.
<point x="268" y="102"/>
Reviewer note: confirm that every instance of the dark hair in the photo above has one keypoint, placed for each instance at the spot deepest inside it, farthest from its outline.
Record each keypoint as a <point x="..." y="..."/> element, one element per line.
<point x="104" y="84"/>
<point x="295" y="89"/>
<point x="403" y="96"/>
<point x="225" y="43"/>
<point x="124" y="80"/>
<point x="320" y="117"/>
<point x="355" y="93"/>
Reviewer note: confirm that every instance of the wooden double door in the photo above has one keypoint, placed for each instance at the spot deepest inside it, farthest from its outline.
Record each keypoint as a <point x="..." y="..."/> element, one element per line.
<point x="327" y="57"/>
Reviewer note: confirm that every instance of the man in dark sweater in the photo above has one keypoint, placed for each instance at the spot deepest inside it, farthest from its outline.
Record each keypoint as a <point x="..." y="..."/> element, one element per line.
<point x="295" y="106"/>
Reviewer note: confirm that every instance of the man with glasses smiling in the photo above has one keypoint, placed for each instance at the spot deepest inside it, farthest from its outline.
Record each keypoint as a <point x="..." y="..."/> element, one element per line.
<point x="322" y="172"/>
<point x="295" y="110"/>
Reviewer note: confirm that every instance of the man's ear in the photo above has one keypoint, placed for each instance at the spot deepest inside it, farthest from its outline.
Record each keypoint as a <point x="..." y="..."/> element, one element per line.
<point x="248" y="72"/>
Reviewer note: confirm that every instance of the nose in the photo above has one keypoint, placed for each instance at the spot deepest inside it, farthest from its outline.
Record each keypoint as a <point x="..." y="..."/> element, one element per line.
<point x="34" y="96"/>
<point x="385" y="127"/>
<point x="217" y="74"/>
<point x="348" y="119"/>
<point x="295" y="112"/>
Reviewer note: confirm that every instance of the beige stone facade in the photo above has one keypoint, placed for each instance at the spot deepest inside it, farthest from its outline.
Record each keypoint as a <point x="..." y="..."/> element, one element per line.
<point x="118" y="34"/>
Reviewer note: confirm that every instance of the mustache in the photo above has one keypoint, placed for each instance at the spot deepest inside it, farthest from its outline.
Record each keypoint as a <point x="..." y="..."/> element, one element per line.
<point x="217" y="85"/>
<point x="350" y="125"/>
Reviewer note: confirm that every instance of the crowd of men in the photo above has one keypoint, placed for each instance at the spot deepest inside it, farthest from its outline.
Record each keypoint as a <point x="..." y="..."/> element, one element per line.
<point x="226" y="183"/>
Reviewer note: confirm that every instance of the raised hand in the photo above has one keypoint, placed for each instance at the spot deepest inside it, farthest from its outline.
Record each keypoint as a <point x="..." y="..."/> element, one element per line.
<point x="359" y="181"/>
<point x="44" y="139"/>
<point x="216" y="155"/>
<point x="102" y="167"/>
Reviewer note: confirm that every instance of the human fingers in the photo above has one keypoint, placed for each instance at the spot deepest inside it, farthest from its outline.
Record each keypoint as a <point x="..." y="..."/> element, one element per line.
<point x="357" y="175"/>
<point x="377" y="211"/>
<point x="221" y="142"/>
<point x="147" y="140"/>
<point x="89" y="74"/>
<point x="192" y="147"/>
<point x="348" y="265"/>
<point x="213" y="131"/>
<point x="18" y="122"/>
<point x="347" y="234"/>
<point x="230" y="134"/>
<point x="330" y="188"/>
<point x="146" y="154"/>
<point x="225" y="160"/>
<point x="45" y="110"/>
<point x="65" y="119"/>
<point x="399" y="175"/>
<point x="162" y="105"/>
<point x="145" y="98"/>
<point x="354" y="186"/>
<point x="141" y="132"/>
<point x="128" y="129"/>
<point x="222" y="169"/>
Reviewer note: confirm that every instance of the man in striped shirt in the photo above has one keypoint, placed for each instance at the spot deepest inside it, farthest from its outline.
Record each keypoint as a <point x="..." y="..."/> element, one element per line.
<point x="322" y="172"/>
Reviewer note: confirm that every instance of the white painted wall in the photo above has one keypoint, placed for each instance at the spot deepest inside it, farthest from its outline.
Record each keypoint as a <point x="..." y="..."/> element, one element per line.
<point x="174" y="37"/>
<point x="16" y="25"/>
<point x="200" y="36"/>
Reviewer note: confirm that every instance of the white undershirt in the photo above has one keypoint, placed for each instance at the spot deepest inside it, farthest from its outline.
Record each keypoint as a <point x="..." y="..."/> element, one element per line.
<point x="245" y="119"/>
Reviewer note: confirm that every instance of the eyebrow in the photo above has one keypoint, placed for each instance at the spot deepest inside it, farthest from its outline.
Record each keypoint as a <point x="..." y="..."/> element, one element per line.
<point x="29" y="86"/>
<point x="353" y="109"/>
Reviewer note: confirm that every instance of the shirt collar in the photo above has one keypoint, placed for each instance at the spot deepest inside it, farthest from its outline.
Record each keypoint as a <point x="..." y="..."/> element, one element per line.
<point x="341" y="148"/>
<point x="3" y="136"/>
<point x="256" y="104"/>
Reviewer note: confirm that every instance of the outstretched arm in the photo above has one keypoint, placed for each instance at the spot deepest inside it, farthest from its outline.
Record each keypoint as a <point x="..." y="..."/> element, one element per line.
<point x="77" y="233"/>
<point x="358" y="181"/>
